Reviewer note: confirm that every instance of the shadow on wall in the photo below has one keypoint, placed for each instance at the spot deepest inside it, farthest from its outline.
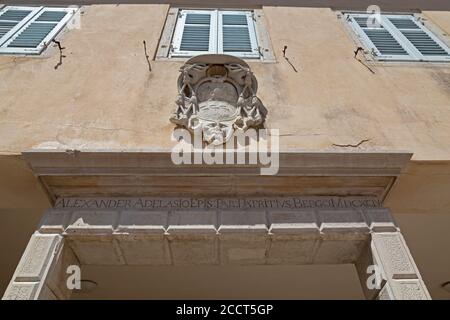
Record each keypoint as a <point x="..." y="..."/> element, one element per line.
<point x="22" y="202"/>
<point x="423" y="188"/>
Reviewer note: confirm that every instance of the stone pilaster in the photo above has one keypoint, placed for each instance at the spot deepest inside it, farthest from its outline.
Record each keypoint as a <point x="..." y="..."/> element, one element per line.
<point x="387" y="270"/>
<point x="404" y="281"/>
<point x="41" y="272"/>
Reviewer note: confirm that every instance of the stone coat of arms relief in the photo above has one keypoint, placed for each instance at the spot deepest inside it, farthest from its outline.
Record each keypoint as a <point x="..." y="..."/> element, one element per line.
<point x="217" y="96"/>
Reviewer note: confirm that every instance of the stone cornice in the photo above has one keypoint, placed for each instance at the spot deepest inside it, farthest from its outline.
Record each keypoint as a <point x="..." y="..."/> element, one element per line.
<point x="141" y="173"/>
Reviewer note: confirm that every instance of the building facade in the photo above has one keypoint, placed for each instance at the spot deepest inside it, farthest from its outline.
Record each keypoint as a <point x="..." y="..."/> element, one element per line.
<point x="356" y="103"/>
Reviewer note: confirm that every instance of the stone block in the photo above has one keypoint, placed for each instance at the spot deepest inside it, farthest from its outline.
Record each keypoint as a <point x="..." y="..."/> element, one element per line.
<point x="192" y="222"/>
<point x="54" y="221"/>
<point x="380" y="220"/>
<point x="37" y="257"/>
<point x="96" y="250"/>
<point x="149" y="222"/>
<point x="292" y="249"/>
<point x="343" y="222"/>
<point x="394" y="255"/>
<point x="144" y="249"/>
<point x="193" y="249"/>
<point x="92" y="222"/>
<point x="295" y="222"/>
<point x="339" y="251"/>
<point x="243" y="248"/>
<point x="21" y="291"/>
<point x="243" y="222"/>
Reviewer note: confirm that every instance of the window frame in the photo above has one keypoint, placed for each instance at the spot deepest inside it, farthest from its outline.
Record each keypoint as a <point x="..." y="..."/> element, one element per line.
<point x="27" y="21"/>
<point x="216" y="34"/>
<point x="413" y="53"/>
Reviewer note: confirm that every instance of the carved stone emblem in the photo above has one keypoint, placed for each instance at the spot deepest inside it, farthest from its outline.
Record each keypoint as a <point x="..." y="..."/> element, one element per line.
<point x="217" y="95"/>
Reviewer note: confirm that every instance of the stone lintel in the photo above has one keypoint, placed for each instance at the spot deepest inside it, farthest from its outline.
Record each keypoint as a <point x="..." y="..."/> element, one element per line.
<point x="305" y="236"/>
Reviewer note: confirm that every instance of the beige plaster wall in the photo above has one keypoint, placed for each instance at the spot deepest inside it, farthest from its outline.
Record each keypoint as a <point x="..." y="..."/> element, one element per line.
<point x="424" y="187"/>
<point x="104" y="96"/>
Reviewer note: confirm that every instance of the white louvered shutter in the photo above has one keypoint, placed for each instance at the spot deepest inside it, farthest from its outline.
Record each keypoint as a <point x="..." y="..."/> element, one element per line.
<point x="195" y="33"/>
<point x="379" y="39"/>
<point x="13" y="18"/>
<point x="236" y="34"/>
<point x="428" y="46"/>
<point x="399" y="37"/>
<point x="37" y="33"/>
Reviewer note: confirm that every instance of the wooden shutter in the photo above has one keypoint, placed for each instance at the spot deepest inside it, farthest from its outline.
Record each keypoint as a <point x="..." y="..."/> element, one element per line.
<point x="380" y="40"/>
<point x="399" y="37"/>
<point x="37" y="33"/>
<point x="195" y="33"/>
<point x="13" y="18"/>
<point x="429" y="47"/>
<point x="236" y="34"/>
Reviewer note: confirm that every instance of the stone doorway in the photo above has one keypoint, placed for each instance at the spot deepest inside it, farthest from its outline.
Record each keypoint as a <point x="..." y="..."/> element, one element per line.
<point x="138" y="208"/>
<point x="280" y="231"/>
